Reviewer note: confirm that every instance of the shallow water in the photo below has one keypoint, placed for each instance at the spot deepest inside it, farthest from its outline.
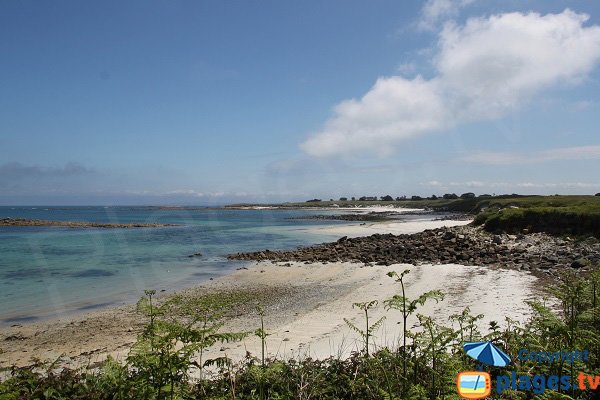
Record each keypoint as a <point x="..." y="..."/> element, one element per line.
<point x="49" y="271"/>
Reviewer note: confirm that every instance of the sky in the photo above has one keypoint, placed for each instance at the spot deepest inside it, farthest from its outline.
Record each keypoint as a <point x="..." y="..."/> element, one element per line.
<point x="213" y="102"/>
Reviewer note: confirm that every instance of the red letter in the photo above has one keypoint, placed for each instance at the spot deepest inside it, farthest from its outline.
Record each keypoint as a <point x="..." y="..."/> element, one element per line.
<point x="593" y="381"/>
<point x="581" y="380"/>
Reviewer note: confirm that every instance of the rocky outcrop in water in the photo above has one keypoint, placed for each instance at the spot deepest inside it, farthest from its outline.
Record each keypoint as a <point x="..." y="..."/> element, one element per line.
<point x="73" y="224"/>
<point x="385" y="216"/>
<point x="460" y="245"/>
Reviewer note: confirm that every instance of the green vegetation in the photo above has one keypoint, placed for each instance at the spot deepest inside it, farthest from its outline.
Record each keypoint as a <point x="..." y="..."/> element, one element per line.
<point x="578" y="221"/>
<point x="559" y="215"/>
<point x="467" y="202"/>
<point x="424" y="367"/>
<point x="369" y="329"/>
<point x="572" y="215"/>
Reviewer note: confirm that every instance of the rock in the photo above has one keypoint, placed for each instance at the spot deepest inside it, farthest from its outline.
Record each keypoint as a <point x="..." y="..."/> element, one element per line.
<point x="579" y="263"/>
<point x="195" y="255"/>
<point x="342" y="239"/>
<point x="16" y="336"/>
<point x="464" y="245"/>
<point x="448" y="235"/>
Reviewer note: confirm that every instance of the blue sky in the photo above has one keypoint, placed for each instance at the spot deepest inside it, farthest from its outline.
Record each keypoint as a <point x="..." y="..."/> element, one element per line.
<point x="209" y="102"/>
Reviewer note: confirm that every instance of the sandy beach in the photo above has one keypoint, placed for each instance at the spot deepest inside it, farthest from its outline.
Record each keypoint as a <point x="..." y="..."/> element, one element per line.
<point x="395" y="227"/>
<point x="304" y="307"/>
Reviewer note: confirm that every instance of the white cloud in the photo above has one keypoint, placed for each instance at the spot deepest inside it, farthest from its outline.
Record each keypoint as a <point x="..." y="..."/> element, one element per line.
<point x="485" y="69"/>
<point x="394" y="109"/>
<point x="435" y="11"/>
<point x="407" y="68"/>
<point x="563" y="185"/>
<point x="490" y="66"/>
<point x="506" y="158"/>
<point x="510" y="186"/>
<point x="583" y="105"/>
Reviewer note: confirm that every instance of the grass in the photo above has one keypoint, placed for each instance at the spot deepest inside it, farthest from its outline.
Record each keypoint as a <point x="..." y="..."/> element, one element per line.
<point x="558" y="215"/>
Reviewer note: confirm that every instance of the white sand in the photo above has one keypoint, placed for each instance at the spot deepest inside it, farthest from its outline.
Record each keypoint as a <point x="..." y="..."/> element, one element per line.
<point x="321" y="331"/>
<point x="396" y="228"/>
<point x="378" y="209"/>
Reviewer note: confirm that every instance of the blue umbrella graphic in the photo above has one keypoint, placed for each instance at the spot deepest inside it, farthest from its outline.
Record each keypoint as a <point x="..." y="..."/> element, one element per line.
<point x="487" y="353"/>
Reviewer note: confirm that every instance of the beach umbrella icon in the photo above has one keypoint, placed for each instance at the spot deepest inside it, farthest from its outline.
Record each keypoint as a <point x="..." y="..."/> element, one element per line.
<point x="487" y="353"/>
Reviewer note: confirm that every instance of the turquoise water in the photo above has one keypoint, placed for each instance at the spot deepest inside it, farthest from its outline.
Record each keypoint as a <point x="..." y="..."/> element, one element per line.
<point x="50" y="271"/>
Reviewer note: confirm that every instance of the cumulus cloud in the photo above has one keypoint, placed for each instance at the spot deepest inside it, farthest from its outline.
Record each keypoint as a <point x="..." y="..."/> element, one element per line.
<point x="485" y="69"/>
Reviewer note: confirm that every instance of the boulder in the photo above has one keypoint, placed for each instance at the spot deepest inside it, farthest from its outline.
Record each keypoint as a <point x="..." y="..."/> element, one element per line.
<point x="448" y="235"/>
<point x="579" y="263"/>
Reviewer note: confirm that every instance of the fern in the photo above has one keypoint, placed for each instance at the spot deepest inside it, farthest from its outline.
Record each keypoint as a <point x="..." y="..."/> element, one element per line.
<point x="369" y="329"/>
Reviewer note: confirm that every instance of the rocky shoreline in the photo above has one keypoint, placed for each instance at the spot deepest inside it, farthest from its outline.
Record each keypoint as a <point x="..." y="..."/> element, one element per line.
<point x="74" y="224"/>
<point x="464" y="245"/>
<point x="372" y="217"/>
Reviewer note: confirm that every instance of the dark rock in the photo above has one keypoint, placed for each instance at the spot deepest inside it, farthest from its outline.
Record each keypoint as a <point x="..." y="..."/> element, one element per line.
<point x="342" y="239"/>
<point x="448" y="235"/>
<point x="461" y="245"/>
<point x="16" y="336"/>
<point x="579" y="263"/>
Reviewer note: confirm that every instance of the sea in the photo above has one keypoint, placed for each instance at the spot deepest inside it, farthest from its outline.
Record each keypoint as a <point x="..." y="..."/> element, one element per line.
<point x="48" y="272"/>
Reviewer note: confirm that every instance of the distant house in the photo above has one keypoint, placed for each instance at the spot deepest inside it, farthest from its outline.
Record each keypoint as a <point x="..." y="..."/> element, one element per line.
<point x="416" y="198"/>
<point x="343" y="199"/>
<point x="313" y="201"/>
<point x="387" y="198"/>
<point x="368" y="198"/>
<point x="468" y="195"/>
